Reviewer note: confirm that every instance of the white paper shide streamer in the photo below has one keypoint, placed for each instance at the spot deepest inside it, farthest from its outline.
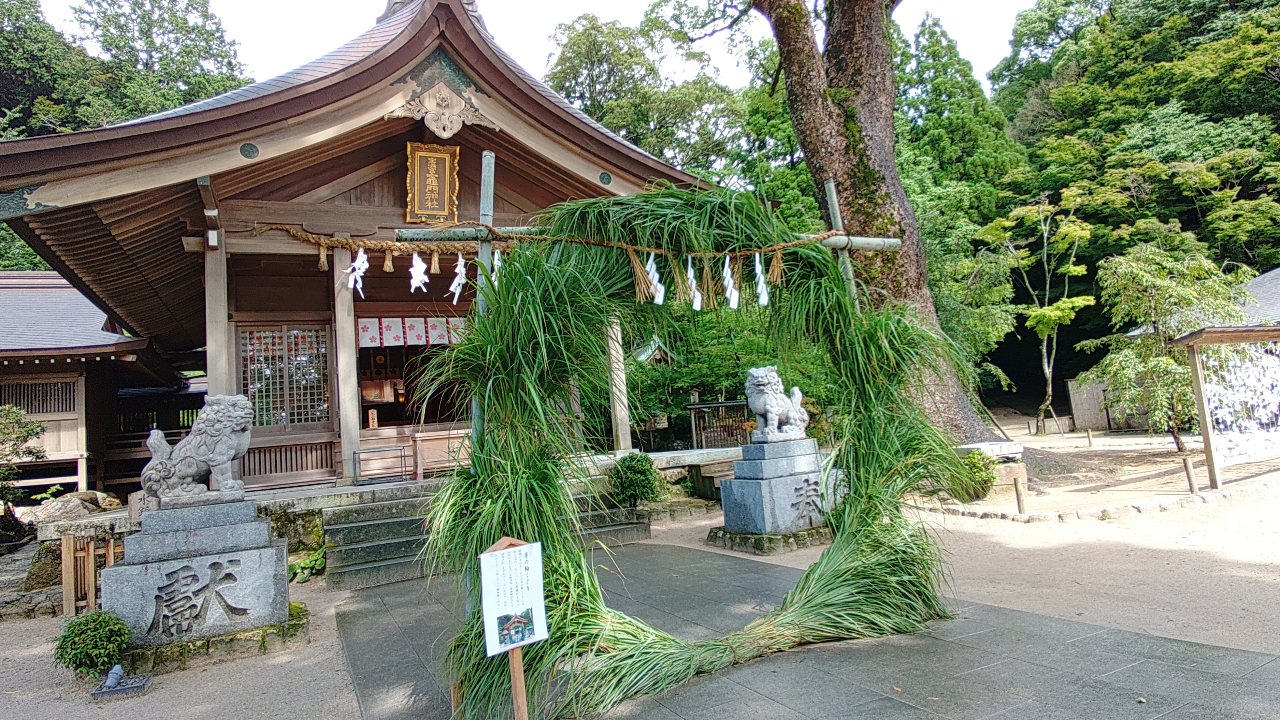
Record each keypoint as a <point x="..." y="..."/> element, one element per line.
<point x="695" y="295"/>
<point x="730" y="291"/>
<point x="497" y="265"/>
<point x="459" y="278"/>
<point x="355" y="273"/>
<point x="762" y="284"/>
<point x="418" y="277"/>
<point x="655" y="280"/>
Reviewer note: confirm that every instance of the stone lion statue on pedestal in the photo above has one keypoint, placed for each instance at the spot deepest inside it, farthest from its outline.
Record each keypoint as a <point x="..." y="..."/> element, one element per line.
<point x="218" y="438"/>
<point x="778" y="417"/>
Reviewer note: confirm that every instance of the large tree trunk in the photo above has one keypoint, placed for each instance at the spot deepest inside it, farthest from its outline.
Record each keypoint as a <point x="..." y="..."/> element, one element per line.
<point x="842" y="110"/>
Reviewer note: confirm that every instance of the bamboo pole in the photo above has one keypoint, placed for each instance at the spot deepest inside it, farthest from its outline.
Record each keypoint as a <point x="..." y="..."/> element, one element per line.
<point x="839" y="242"/>
<point x="485" y="256"/>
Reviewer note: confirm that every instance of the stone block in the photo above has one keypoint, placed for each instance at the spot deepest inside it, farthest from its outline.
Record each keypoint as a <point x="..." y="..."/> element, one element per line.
<point x="153" y="547"/>
<point x="174" y="601"/>
<point x="776" y="467"/>
<point x="212" y="497"/>
<point x="788" y="448"/>
<point x="776" y="506"/>
<point x="997" y="450"/>
<point x="202" y="516"/>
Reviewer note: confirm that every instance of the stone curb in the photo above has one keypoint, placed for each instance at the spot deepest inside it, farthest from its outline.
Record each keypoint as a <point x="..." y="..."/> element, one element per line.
<point x="1112" y="512"/>
<point x="45" y="602"/>
<point x="769" y="544"/>
<point x="672" y="512"/>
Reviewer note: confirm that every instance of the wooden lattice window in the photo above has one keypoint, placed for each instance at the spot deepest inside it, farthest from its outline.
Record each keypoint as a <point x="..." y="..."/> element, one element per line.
<point x="41" y="398"/>
<point x="284" y="371"/>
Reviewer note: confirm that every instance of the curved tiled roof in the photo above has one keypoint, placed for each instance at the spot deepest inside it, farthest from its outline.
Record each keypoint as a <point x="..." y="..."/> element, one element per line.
<point x="41" y="311"/>
<point x="1264" y="308"/>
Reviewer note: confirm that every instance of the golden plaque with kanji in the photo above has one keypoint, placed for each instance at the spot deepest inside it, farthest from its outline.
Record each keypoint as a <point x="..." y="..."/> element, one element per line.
<point x="432" y="183"/>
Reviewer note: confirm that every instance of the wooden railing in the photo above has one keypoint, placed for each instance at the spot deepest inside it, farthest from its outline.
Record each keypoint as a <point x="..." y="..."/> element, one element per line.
<point x="721" y="424"/>
<point x="289" y="459"/>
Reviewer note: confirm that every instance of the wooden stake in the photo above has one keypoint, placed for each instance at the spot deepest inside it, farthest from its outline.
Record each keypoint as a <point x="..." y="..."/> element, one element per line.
<point x="1088" y="433"/>
<point x="515" y="659"/>
<point x="1191" y="476"/>
<point x="1019" y="494"/>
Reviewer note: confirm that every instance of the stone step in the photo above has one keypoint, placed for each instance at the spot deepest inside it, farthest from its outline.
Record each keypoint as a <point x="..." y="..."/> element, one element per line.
<point x="617" y="534"/>
<point x="372" y="574"/>
<point x="340" y="535"/>
<point x="373" y="551"/>
<point x="411" y="507"/>
<point x="606" y="516"/>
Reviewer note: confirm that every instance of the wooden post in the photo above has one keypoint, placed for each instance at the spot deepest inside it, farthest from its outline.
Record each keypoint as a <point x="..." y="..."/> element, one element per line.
<point x="519" y="696"/>
<point x="1202" y="412"/>
<point x="1191" y="476"/>
<point x="618" y="408"/>
<point x="217" y="327"/>
<point x="69" y="576"/>
<point x="344" y="338"/>
<point x="1019" y="494"/>
<point x="1088" y="433"/>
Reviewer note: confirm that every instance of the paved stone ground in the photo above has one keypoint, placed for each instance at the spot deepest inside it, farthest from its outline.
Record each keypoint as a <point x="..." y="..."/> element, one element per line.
<point x="989" y="662"/>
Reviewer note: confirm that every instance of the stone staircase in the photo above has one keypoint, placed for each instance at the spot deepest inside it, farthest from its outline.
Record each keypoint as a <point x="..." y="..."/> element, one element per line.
<point x="378" y="543"/>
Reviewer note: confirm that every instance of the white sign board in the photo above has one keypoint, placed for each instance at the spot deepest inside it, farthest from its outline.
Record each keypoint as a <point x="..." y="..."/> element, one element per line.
<point x="514" y="610"/>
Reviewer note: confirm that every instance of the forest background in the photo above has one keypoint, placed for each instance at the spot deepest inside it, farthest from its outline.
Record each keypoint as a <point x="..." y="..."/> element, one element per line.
<point x="1113" y="128"/>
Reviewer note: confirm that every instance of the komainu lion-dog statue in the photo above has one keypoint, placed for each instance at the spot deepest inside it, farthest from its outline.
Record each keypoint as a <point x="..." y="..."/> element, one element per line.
<point x="778" y="417"/>
<point x="218" y="438"/>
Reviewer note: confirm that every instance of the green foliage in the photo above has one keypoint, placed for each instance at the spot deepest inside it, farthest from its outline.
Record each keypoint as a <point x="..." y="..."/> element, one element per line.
<point x="634" y="479"/>
<point x="610" y="71"/>
<point x="981" y="468"/>
<point x="18" y="437"/>
<point x="48" y="494"/>
<point x="148" y="57"/>
<point x="313" y="564"/>
<point x="1164" y="293"/>
<point x="15" y="254"/>
<point x="90" y="644"/>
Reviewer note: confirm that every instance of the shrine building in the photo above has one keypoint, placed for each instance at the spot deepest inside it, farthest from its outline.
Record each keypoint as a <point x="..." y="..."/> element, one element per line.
<point x="203" y="233"/>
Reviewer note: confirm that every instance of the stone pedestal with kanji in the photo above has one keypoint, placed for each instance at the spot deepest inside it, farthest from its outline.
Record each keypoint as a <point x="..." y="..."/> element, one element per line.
<point x="776" y="489"/>
<point x="198" y="571"/>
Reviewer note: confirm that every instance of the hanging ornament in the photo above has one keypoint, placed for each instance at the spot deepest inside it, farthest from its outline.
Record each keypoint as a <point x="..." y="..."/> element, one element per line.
<point x="695" y="295"/>
<point x="355" y="273"/>
<point x="762" y="283"/>
<point x="497" y="265"/>
<point x="730" y="290"/>
<point x="387" y="265"/>
<point x="459" y="278"/>
<point x="418" y="277"/>
<point x="655" y="280"/>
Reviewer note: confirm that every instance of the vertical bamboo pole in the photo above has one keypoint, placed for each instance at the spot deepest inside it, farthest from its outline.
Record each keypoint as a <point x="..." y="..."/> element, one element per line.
<point x="837" y="224"/>
<point x="90" y="568"/>
<point x="484" y="255"/>
<point x="1202" y="412"/>
<point x="619" y="410"/>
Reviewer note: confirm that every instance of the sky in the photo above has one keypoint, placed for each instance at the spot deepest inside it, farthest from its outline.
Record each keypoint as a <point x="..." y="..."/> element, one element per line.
<point x="276" y="36"/>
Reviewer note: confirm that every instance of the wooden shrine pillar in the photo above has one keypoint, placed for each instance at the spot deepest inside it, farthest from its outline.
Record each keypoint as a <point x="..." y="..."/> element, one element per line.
<point x="218" y="345"/>
<point x="619" y="411"/>
<point x="344" y="340"/>
<point x="1202" y="412"/>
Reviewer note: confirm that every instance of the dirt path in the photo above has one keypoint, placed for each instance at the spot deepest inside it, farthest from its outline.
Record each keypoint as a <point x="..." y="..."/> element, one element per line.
<point x="306" y="681"/>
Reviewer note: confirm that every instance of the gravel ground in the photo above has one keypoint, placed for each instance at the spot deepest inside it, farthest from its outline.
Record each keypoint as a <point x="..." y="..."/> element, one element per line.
<point x="1208" y="574"/>
<point x="305" y="681"/>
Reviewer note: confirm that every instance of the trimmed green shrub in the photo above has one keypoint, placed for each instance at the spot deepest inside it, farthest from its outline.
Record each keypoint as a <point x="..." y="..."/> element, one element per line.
<point x="92" y="643"/>
<point x="981" y="469"/>
<point x="633" y="479"/>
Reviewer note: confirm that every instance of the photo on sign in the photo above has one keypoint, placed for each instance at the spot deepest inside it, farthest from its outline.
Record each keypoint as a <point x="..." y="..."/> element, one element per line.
<point x="515" y="629"/>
